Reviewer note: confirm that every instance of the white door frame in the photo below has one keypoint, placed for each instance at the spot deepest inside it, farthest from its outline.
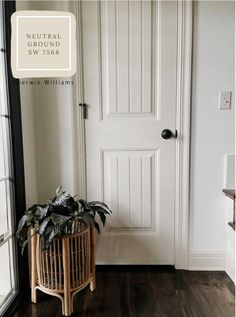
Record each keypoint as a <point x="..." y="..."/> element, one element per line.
<point x="183" y="107"/>
<point x="183" y="121"/>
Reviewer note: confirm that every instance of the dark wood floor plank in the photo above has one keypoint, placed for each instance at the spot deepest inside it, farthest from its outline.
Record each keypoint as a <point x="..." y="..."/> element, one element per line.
<point x="201" y="295"/>
<point x="170" y="300"/>
<point x="142" y="297"/>
<point x="145" y="292"/>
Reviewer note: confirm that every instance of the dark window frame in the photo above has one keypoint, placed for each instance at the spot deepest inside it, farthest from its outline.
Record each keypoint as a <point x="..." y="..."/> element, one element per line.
<point x="19" y="203"/>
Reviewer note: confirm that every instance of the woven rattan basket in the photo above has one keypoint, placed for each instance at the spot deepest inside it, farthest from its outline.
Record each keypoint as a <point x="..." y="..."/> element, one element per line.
<point x="65" y="268"/>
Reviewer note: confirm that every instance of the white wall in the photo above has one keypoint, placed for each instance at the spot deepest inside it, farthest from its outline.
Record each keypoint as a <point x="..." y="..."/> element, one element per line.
<point x="212" y="129"/>
<point x="48" y="129"/>
<point x="28" y="124"/>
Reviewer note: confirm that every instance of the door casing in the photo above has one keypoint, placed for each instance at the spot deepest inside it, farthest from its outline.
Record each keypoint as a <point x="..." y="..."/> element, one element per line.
<point x="183" y="120"/>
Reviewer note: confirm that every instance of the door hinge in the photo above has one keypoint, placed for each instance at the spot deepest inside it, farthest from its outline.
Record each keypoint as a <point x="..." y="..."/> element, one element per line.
<point x="1" y="238"/>
<point x="84" y="109"/>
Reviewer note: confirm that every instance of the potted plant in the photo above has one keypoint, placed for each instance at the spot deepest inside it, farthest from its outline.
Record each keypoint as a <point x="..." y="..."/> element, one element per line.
<point x="62" y="245"/>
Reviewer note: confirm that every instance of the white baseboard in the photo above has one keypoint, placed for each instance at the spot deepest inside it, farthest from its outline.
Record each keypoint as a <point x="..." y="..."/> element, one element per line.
<point x="207" y="260"/>
<point x="230" y="265"/>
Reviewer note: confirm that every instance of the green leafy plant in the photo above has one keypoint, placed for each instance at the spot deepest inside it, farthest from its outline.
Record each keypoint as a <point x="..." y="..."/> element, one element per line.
<point x="58" y="217"/>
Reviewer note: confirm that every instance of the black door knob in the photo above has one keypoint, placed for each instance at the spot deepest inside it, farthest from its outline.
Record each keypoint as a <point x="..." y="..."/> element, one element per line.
<point x="166" y="134"/>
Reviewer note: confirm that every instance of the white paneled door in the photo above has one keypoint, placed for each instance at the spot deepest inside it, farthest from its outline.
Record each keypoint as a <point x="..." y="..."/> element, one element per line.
<point x="129" y="53"/>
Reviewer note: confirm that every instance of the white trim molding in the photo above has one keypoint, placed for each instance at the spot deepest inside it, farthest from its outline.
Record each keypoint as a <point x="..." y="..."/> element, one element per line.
<point x="207" y="260"/>
<point x="230" y="265"/>
<point x="183" y="118"/>
<point x="80" y="181"/>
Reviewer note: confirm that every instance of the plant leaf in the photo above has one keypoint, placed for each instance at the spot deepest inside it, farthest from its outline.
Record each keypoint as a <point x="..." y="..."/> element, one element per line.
<point x="85" y="204"/>
<point x="97" y="208"/>
<point x="102" y="217"/>
<point x="99" y="204"/>
<point x="59" y="190"/>
<point x="52" y="235"/>
<point x="59" y="220"/>
<point x="96" y="226"/>
<point x="24" y="222"/>
<point x="21" y="225"/>
<point x="34" y="208"/>
<point x="42" y="211"/>
<point x="26" y="241"/>
<point x="89" y="219"/>
<point x="43" y="225"/>
<point x="63" y="199"/>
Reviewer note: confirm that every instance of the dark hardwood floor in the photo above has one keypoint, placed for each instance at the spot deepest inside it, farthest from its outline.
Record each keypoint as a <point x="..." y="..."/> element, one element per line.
<point x="145" y="292"/>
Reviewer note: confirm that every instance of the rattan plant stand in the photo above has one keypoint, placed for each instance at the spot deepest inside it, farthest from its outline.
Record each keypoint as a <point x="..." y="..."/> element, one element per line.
<point x="65" y="268"/>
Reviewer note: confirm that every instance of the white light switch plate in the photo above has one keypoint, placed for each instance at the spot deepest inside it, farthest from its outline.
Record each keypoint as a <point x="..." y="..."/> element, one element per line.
<point x="225" y="100"/>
